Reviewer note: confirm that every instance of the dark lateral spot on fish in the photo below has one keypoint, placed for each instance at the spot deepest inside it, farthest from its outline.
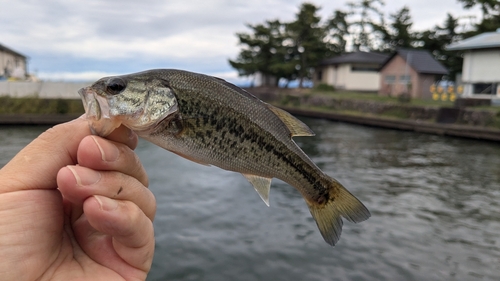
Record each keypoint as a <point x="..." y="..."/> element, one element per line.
<point x="200" y="135"/>
<point x="213" y="122"/>
<point x="268" y="147"/>
<point x="233" y="144"/>
<point x="209" y="133"/>
<point x="219" y="125"/>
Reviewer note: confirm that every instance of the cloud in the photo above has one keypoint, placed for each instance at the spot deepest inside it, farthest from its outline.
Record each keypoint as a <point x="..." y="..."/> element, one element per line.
<point x="89" y="76"/>
<point x="68" y="37"/>
<point x="74" y="76"/>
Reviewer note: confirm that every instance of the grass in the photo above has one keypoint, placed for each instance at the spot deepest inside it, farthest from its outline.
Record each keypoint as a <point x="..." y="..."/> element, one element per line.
<point x="33" y="105"/>
<point x="293" y="99"/>
<point x="375" y="97"/>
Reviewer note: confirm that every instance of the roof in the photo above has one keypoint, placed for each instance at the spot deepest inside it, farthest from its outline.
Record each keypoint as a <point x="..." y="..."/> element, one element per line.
<point x="356" y="57"/>
<point x="5" y="49"/>
<point x="420" y="60"/>
<point x="482" y="41"/>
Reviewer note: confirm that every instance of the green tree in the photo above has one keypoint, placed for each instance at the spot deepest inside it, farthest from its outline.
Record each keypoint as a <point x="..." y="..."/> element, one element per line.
<point x="262" y="50"/>
<point x="401" y="36"/>
<point x="284" y="50"/>
<point x="364" y="29"/>
<point x="487" y="6"/>
<point x="491" y="15"/>
<point x="435" y="40"/>
<point x="308" y="40"/>
<point x="338" y="30"/>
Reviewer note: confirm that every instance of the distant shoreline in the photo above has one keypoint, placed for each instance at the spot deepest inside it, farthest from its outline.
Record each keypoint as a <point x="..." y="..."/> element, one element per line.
<point x="471" y="132"/>
<point x="418" y="118"/>
<point x="36" y="119"/>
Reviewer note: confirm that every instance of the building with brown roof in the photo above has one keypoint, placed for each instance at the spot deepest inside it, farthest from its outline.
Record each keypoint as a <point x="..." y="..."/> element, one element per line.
<point x="410" y="72"/>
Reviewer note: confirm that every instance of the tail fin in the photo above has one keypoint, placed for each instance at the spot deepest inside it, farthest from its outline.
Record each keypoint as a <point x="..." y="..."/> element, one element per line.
<point x="340" y="204"/>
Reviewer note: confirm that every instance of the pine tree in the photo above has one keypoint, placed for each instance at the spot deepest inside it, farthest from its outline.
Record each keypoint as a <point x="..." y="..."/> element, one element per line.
<point x="435" y="41"/>
<point x="308" y="38"/>
<point x="338" y="30"/>
<point x="365" y="29"/>
<point x="262" y="51"/>
<point x="491" y="15"/>
<point x="401" y="36"/>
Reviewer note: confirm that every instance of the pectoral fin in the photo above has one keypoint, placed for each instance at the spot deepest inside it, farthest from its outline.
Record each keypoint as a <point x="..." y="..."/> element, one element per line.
<point x="296" y="127"/>
<point x="261" y="184"/>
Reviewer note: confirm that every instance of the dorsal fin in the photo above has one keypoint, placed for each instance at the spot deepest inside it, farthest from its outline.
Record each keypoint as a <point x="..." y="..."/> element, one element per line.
<point x="261" y="184"/>
<point x="296" y="127"/>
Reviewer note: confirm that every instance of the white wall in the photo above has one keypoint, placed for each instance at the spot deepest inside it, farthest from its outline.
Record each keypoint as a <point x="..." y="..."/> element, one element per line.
<point x="343" y="71"/>
<point x="363" y="81"/>
<point x="65" y="90"/>
<point x="328" y="75"/>
<point x="482" y="66"/>
<point x="347" y="79"/>
<point x="12" y="64"/>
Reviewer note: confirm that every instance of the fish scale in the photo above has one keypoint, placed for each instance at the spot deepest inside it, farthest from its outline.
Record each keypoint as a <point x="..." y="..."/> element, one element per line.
<point x="212" y="122"/>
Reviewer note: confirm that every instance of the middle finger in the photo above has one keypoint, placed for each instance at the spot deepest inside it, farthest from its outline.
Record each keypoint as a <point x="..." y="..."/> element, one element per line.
<point x="78" y="183"/>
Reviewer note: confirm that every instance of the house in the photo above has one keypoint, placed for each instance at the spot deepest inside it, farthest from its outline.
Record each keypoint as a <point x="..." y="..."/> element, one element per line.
<point x="356" y="71"/>
<point x="12" y="64"/>
<point x="410" y="72"/>
<point x="481" y="66"/>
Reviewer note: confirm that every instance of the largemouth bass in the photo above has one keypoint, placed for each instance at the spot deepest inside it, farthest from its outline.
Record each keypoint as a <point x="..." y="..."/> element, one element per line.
<point x="212" y="122"/>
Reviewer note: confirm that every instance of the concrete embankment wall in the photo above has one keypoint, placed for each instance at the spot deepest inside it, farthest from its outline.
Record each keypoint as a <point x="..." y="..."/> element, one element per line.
<point x="42" y="89"/>
<point x="458" y="116"/>
<point x="460" y="122"/>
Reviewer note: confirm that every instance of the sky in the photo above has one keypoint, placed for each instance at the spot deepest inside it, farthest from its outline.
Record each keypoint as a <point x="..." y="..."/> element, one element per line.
<point x="67" y="40"/>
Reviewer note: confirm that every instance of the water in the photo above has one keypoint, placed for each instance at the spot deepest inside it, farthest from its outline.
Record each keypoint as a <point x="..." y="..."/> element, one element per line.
<point x="435" y="204"/>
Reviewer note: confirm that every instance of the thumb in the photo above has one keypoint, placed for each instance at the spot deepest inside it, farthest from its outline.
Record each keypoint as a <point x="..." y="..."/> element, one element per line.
<point x="36" y="165"/>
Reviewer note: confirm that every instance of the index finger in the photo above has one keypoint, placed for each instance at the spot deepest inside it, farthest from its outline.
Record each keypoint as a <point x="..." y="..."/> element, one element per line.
<point x="36" y="165"/>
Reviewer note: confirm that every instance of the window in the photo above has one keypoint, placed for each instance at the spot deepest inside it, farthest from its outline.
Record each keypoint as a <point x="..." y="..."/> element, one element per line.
<point x="390" y="79"/>
<point x="319" y="75"/>
<point x="484" y="88"/>
<point x="404" y="79"/>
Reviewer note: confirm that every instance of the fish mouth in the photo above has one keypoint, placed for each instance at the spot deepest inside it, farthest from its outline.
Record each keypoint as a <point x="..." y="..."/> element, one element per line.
<point x="97" y="112"/>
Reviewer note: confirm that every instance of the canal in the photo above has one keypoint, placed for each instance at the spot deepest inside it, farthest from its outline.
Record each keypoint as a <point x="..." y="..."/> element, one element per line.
<point x="435" y="204"/>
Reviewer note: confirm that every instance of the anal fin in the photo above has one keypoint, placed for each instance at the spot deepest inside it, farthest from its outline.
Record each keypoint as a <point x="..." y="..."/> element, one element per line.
<point x="261" y="184"/>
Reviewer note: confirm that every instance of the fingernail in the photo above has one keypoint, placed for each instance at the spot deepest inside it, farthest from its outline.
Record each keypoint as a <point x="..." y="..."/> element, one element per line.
<point x="106" y="203"/>
<point x="109" y="151"/>
<point x="84" y="176"/>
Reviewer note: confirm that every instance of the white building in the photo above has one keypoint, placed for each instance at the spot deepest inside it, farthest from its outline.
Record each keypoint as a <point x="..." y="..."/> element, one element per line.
<point x="358" y="71"/>
<point x="12" y="64"/>
<point x="481" y="66"/>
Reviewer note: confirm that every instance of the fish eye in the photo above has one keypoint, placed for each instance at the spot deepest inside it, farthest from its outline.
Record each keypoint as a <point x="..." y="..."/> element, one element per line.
<point x="115" y="85"/>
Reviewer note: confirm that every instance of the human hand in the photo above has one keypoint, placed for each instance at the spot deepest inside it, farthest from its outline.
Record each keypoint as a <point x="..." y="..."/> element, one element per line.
<point x="75" y="206"/>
